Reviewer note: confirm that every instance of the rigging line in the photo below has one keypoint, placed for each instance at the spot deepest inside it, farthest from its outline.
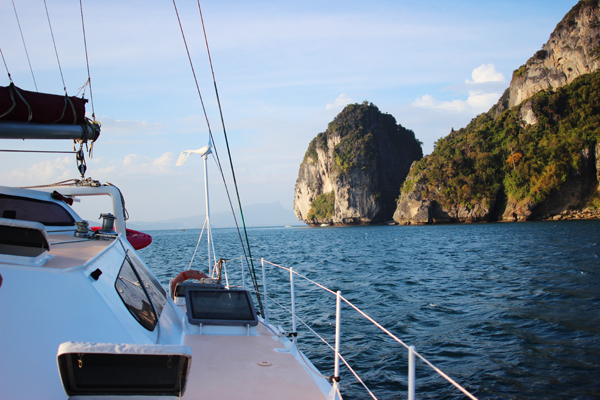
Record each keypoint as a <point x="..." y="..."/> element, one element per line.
<point x="26" y="52"/>
<point x="253" y="275"/>
<point x="246" y="256"/>
<point x="197" y="244"/>
<point x="87" y="61"/>
<point x="39" y="151"/>
<point x="193" y="71"/>
<point x="6" y="66"/>
<point x="55" y="49"/>
<point x="227" y="143"/>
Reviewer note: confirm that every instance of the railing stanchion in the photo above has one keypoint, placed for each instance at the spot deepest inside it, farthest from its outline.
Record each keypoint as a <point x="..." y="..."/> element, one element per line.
<point x="266" y="316"/>
<point x="293" y="301"/>
<point x="411" y="373"/>
<point x="338" y="308"/>
<point x="243" y="279"/>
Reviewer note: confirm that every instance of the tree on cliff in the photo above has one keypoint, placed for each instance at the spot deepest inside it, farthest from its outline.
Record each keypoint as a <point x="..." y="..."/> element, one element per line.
<point x="356" y="167"/>
<point x="534" y="153"/>
<point x="495" y="158"/>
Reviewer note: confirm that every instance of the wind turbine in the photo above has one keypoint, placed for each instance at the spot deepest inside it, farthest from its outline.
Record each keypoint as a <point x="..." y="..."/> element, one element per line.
<point x="204" y="152"/>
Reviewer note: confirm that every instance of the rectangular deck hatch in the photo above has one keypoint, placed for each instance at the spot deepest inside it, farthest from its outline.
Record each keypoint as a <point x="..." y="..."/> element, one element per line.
<point x="232" y="307"/>
<point x="100" y="369"/>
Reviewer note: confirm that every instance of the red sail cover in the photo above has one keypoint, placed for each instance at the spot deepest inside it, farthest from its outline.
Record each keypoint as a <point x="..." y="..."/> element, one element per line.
<point x="25" y="106"/>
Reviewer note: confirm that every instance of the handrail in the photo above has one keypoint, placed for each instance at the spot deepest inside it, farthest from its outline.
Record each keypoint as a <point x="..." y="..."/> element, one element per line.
<point x="411" y="351"/>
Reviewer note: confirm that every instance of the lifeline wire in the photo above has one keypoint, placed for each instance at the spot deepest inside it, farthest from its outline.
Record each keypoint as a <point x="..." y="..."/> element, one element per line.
<point x="230" y="159"/>
<point x="26" y="52"/>
<point x="390" y="334"/>
<point x="55" y="49"/>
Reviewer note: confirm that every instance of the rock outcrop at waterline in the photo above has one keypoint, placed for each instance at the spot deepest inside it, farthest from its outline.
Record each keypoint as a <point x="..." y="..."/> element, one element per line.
<point x="535" y="154"/>
<point x="352" y="173"/>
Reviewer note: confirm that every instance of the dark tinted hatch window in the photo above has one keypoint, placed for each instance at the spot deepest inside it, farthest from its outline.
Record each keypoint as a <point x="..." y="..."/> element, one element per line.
<point x="134" y="297"/>
<point x="155" y="290"/>
<point x="26" y="209"/>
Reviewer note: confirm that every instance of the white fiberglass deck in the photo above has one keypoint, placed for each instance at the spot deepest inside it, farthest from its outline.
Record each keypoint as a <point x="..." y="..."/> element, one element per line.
<point x="227" y="367"/>
<point x="69" y="251"/>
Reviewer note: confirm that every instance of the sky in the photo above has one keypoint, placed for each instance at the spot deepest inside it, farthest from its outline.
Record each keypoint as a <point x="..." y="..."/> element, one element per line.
<point x="283" y="69"/>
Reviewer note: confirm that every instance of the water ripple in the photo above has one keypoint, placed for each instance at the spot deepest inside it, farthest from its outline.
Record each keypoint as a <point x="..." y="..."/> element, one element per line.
<point x="512" y="311"/>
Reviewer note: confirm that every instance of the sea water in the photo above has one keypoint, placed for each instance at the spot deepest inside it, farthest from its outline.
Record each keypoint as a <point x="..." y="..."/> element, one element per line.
<point x="510" y="311"/>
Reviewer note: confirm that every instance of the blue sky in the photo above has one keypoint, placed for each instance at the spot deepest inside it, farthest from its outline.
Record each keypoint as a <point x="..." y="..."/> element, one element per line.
<point x="284" y="70"/>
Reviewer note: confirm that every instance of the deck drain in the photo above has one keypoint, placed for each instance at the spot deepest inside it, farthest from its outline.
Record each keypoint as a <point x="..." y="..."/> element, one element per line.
<point x="265" y="364"/>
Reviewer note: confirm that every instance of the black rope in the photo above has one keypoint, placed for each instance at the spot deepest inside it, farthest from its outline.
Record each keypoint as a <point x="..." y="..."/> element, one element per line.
<point x="6" y="66"/>
<point x="251" y="263"/>
<point x="25" y="46"/>
<point x="87" y="61"/>
<point x="55" y="49"/>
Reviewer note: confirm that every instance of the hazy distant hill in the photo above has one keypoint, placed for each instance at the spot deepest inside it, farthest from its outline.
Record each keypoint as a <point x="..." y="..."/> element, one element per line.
<point x="267" y="214"/>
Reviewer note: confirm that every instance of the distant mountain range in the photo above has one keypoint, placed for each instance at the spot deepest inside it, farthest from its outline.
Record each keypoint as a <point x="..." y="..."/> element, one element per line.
<point x="266" y="214"/>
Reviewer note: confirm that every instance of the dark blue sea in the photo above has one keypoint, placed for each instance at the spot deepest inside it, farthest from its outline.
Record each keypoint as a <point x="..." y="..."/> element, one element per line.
<point x="510" y="311"/>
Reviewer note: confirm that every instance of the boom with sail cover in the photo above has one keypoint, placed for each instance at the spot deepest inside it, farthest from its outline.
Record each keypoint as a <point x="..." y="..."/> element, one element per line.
<point x="32" y="115"/>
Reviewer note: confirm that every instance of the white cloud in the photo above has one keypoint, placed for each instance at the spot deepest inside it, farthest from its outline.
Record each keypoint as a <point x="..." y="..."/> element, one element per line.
<point x="164" y="161"/>
<point x="477" y="102"/>
<point x="44" y="172"/>
<point x="342" y="100"/>
<point x="135" y="164"/>
<point x="486" y="73"/>
<point x="480" y="96"/>
<point x="130" y="159"/>
<point x="480" y="101"/>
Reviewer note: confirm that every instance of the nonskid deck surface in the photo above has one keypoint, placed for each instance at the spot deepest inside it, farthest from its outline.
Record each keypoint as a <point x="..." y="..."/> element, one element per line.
<point x="227" y="367"/>
<point x="69" y="251"/>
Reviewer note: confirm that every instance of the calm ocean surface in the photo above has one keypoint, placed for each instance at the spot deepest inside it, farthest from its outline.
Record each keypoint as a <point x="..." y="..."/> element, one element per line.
<point x="510" y="311"/>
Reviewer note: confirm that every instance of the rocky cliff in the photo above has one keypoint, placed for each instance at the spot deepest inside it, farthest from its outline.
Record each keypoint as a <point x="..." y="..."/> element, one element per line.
<point x="535" y="154"/>
<point x="352" y="172"/>
<point x="572" y="50"/>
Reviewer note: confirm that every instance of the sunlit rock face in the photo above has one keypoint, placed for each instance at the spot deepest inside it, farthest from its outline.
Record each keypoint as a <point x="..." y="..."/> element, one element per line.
<point x="352" y="172"/>
<point x="572" y="50"/>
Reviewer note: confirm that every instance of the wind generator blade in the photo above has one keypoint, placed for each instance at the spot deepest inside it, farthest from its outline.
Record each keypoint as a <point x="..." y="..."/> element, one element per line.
<point x="182" y="157"/>
<point x="204" y="151"/>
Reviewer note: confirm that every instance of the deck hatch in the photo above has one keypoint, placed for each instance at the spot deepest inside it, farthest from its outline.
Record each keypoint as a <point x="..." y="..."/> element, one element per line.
<point x="27" y="209"/>
<point x="220" y="307"/>
<point x="23" y="238"/>
<point x="89" y="369"/>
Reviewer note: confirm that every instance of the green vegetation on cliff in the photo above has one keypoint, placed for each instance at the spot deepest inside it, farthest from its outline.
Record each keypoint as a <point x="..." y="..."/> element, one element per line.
<point x="359" y="126"/>
<point x="322" y="206"/>
<point x="503" y="155"/>
<point x="364" y="156"/>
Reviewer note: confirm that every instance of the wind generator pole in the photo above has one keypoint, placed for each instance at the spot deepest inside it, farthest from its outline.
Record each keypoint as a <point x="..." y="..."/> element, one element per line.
<point x="204" y="152"/>
<point x="208" y="232"/>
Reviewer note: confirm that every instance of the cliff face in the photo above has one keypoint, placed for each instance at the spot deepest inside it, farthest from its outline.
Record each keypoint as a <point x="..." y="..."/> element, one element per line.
<point x="573" y="50"/>
<point x="352" y="172"/>
<point x="535" y="154"/>
<point x="576" y="198"/>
